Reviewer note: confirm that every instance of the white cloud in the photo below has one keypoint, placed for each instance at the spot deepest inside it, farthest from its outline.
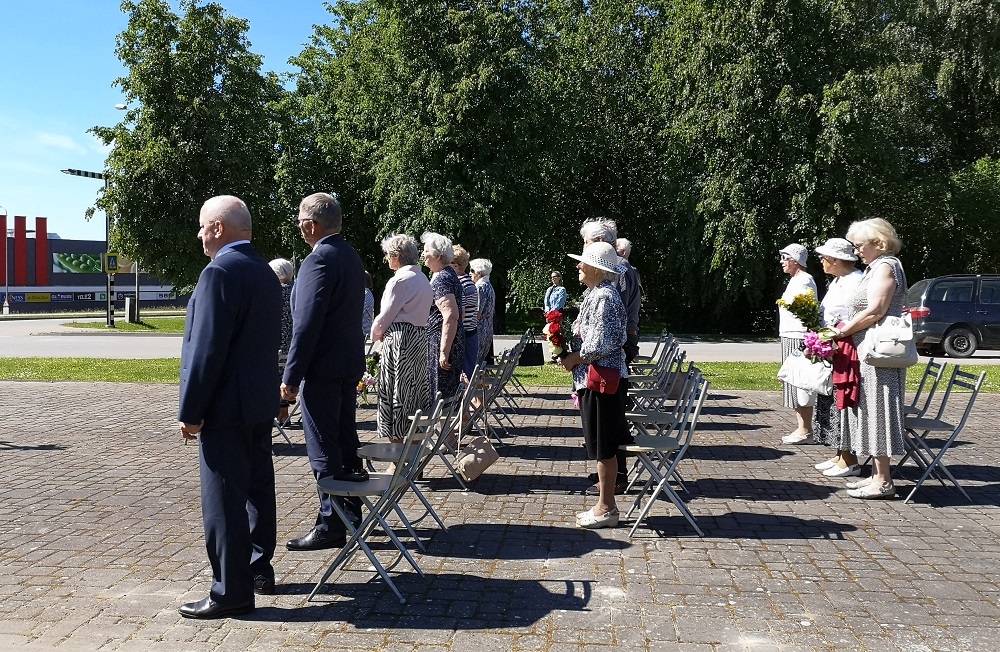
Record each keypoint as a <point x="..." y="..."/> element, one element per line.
<point x="59" y="140"/>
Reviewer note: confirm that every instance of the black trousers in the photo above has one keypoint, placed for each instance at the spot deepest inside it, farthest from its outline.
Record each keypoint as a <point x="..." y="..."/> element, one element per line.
<point x="238" y="508"/>
<point x="329" y="422"/>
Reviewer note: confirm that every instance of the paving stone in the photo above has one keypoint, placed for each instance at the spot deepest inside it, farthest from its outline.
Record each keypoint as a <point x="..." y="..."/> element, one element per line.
<point x="103" y="542"/>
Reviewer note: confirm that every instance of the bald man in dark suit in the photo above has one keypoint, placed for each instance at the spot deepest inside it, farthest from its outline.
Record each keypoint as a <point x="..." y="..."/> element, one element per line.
<point x="228" y="400"/>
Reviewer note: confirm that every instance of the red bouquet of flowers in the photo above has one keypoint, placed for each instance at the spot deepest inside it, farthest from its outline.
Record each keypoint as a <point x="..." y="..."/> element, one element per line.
<point x="553" y="333"/>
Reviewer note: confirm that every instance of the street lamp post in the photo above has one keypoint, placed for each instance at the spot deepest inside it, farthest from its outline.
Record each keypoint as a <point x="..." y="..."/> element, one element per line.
<point x="6" y="263"/>
<point x="107" y="242"/>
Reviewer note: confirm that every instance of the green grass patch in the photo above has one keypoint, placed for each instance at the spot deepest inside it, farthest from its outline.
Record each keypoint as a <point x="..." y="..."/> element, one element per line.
<point x="158" y="370"/>
<point x="550" y="375"/>
<point x="151" y="325"/>
<point x="722" y="375"/>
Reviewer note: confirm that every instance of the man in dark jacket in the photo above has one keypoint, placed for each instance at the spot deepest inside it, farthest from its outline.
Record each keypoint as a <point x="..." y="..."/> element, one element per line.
<point x="327" y="353"/>
<point x="228" y="397"/>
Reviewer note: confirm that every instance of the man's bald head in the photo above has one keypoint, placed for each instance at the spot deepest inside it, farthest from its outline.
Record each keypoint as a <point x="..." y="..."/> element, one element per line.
<point x="223" y="220"/>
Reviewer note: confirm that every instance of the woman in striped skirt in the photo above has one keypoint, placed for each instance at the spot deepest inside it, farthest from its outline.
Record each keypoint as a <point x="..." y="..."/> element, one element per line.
<point x="400" y="327"/>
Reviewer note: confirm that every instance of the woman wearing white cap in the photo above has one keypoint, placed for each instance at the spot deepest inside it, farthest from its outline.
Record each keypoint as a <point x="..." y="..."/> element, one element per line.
<point x="791" y="331"/>
<point x="839" y="260"/>
<point x="599" y="333"/>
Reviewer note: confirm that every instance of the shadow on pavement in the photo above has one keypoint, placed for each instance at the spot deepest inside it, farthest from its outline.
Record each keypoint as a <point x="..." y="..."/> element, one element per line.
<point x="6" y="445"/>
<point x="761" y="489"/>
<point x="447" y="601"/>
<point x="735" y="453"/>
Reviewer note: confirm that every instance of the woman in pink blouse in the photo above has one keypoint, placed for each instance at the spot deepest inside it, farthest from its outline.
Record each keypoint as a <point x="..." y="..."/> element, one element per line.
<point x="400" y="327"/>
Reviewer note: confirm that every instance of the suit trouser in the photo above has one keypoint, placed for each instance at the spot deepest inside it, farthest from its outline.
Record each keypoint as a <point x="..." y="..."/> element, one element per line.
<point x="329" y="421"/>
<point x="238" y="508"/>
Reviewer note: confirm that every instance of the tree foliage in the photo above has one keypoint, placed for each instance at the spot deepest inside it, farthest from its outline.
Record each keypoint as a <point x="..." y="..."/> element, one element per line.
<point x="713" y="132"/>
<point x="201" y="124"/>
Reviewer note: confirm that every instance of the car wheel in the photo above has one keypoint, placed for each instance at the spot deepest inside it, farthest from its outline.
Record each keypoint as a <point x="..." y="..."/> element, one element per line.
<point x="960" y="343"/>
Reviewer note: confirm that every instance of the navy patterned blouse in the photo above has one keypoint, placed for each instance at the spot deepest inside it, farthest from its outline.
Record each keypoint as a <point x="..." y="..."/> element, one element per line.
<point x="599" y="332"/>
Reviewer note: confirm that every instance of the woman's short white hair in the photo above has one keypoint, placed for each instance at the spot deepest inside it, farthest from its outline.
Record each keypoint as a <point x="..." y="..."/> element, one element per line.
<point x="600" y="230"/>
<point x="403" y="247"/>
<point x="481" y="266"/>
<point x="283" y="269"/>
<point x="438" y="245"/>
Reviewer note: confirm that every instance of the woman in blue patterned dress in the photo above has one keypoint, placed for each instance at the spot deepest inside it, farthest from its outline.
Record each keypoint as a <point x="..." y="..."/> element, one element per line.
<point x="481" y="270"/>
<point x="875" y="424"/>
<point x="599" y="332"/>
<point x="445" y="337"/>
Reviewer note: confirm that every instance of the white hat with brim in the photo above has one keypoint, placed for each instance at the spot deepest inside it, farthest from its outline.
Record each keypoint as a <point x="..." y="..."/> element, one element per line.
<point x="600" y="255"/>
<point x="837" y="248"/>
<point x="797" y="252"/>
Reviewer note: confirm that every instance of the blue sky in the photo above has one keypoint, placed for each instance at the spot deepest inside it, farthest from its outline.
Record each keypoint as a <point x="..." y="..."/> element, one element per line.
<point x="58" y="65"/>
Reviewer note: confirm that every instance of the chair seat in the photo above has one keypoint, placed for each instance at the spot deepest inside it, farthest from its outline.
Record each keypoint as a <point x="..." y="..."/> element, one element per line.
<point x="651" y="444"/>
<point x="386" y="452"/>
<point x="924" y="423"/>
<point x="375" y="485"/>
<point x="653" y="417"/>
<point x="646" y="391"/>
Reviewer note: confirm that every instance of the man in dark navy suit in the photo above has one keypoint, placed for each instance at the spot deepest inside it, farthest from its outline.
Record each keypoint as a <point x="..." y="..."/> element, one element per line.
<point x="228" y="397"/>
<point x="327" y="359"/>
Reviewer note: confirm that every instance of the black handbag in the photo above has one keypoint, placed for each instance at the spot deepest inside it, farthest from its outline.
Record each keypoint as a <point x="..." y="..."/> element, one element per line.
<point x="532" y="355"/>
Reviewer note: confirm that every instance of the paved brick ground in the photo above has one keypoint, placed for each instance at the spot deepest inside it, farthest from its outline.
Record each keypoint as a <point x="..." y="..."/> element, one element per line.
<point x="101" y="541"/>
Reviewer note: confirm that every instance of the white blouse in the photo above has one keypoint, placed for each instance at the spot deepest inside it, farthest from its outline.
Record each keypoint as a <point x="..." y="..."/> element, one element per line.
<point x="835" y="305"/>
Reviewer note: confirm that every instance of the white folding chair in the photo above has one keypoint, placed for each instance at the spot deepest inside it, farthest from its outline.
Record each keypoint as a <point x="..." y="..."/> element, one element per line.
<point x="661" y="454"/>
<point x="389" y="451"/>
<point x="380" y="495"/>
<point x="663" y="338"/>
<point x="922" y="398"/>
<point x="658" y="419"/>
<point x="666" y="386"/>
<point x="918" y="428"/>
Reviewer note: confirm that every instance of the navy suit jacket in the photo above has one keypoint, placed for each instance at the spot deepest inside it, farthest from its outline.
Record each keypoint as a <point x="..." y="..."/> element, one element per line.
<point x="229" y="358"/>
<point x="327" y="302"/>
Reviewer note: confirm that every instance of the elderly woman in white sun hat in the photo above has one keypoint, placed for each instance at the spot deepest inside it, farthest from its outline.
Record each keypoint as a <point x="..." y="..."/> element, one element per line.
<point x="791" y="331"/>
<point x="599" y="332"/>
<point x="839" y="261"/>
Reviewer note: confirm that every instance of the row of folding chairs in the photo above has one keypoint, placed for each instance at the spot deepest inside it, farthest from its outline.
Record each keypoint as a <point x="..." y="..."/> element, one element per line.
<point x="929" y="433"/>
<point x="662" y="434"/>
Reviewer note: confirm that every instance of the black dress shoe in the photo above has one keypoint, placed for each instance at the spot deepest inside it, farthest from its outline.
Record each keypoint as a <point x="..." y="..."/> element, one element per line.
<point x="317" y="540"/>
<point x="263" y="585"/>
<point x="352" y="475"/>
<point x="208" y="609"/>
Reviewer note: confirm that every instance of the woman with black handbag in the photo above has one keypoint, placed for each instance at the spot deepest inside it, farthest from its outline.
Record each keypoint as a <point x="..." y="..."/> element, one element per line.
<point x="598" y="365"/>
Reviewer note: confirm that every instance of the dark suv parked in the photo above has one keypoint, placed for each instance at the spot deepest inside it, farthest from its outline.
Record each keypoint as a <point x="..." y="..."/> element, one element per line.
<point x="956" y="314"/>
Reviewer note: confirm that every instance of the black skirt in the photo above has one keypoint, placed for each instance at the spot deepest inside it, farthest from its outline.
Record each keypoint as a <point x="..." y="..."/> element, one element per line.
<point x="604" y="424"/>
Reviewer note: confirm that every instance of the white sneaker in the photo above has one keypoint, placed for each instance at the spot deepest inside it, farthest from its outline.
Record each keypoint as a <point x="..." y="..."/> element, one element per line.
<point x="798" y="438"/>
<point x="845" y="472"/>
<point x="823" y="466"/>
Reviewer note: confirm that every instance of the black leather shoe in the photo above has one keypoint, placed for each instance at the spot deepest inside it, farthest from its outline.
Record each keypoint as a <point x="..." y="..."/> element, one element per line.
<point x="352" y="475"/>
<point x="208" y="609"/>
<point x="317" y="540"/>
<point x="263" y="585"/>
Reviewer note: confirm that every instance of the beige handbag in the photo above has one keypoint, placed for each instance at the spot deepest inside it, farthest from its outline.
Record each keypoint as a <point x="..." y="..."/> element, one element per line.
<point x="475" y="457"/>
<point x="889" y="344"/>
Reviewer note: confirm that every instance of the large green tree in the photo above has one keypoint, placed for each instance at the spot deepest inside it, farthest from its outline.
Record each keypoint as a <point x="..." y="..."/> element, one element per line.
<point x="201" y="122"/>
